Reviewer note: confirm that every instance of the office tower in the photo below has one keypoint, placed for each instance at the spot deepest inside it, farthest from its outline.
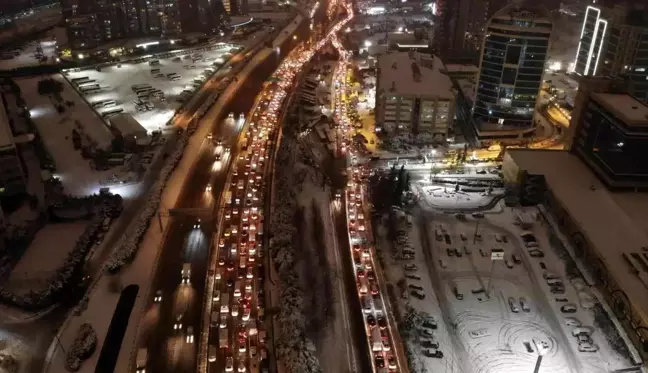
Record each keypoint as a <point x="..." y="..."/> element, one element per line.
<point x="460" y="25"/>
<point x="614" y="42"/>
<point x="414" y="95"/>
<point x="512" y="62"/>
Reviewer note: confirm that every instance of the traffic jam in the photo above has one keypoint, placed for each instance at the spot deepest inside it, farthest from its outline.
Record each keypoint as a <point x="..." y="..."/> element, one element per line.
<point x="379" y="337"/>
<point x="237" y="338"/>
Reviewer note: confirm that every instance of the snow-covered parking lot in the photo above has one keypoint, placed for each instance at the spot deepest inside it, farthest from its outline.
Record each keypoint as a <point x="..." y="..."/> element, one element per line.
<point x="111" y="88"/>
<point x="533" y="307"/>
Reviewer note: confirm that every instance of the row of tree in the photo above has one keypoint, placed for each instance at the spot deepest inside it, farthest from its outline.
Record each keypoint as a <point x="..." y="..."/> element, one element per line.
<point x="295" y="349"/>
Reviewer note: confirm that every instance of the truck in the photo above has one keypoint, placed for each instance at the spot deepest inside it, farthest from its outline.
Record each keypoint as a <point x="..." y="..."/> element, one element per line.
<point x="223" y="340"/>
<point x="140" y="360"/>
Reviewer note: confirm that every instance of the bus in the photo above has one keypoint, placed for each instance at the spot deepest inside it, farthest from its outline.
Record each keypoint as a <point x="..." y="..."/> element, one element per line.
<point x="85" y="83"/>
<point x="88" y="90"/>
<point x="79" y="80"/>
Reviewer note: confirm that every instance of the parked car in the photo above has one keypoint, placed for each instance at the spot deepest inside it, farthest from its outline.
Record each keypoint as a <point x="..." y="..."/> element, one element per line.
<point x="433" y="353"/>
<point x="417" y="294"/>
<point x="568" y="308"/>
<point x="524" y="304"/>
<point x="513" y="305"/>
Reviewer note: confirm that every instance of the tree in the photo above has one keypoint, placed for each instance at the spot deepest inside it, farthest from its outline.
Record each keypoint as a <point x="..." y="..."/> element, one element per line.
<point x="49" y="86"/>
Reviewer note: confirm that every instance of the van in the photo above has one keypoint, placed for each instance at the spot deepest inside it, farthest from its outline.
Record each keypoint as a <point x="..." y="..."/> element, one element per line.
<point x="141" y="360"/>
<point x="376" y="340"/>
<point x="212" y="352"/>
<point x="224" y="305"/>
<point x="186" y="273"/>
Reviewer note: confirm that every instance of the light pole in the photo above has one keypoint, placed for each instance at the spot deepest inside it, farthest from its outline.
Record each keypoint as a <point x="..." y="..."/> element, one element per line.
<point x="542" y="347"/>
<point x="433" y="169"/>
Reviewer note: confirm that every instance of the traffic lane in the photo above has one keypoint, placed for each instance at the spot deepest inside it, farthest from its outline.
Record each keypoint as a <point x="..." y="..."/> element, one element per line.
<point x="356" y="314"/>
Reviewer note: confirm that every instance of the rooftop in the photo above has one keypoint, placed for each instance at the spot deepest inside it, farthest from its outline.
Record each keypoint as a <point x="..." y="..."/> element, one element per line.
<point x="625" y="107"/>
<point x="416" y="74"/>
<point x="6" y="137"/>
<point x="457" y="68"/>
<point x="615" y="223"/>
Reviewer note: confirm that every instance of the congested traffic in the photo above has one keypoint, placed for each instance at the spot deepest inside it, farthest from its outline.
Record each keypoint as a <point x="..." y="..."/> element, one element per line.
<point x="237" y="337"/>
<point x="377" y="323"/>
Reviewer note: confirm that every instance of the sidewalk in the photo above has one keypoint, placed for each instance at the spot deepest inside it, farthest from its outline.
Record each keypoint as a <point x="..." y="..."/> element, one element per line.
<point x="102" y="301"/>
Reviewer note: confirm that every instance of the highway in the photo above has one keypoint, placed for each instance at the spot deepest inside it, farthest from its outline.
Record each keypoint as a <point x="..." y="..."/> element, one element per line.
<point x="171" y="350"/>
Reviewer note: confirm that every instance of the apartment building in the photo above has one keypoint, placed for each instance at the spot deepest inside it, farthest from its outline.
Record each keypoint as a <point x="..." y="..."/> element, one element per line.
<point x="414" y="95"/>
<point x="12" y="176"/>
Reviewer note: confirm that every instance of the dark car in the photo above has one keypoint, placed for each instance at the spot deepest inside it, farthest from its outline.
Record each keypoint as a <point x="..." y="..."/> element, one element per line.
<point x="371" y="320"/>
<point x="433" y="353"/>
<point x="536" y="253"/>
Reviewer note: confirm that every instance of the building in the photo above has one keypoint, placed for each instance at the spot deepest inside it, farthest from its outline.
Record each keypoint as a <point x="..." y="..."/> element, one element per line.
<point x="614" y="42"/>
<point x="126" y="127"/>
<point x="610" y="135"/>
<point x="414" y="95"/>
<point x="604" y="231"/>
<point x="12" y="175"/>
<point x="92" y="23"/>
<point x="460" y="25"/>
<point x="511" y="67"/>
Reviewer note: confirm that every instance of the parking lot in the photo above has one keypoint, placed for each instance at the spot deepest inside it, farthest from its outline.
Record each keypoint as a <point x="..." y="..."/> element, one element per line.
<point x="150" y="90"/>
<point x="503" y="293"/>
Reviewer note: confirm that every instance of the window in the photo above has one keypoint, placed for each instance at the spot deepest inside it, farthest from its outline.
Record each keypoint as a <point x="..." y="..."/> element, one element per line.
<point x="513" y="54"/>
<point x="508" y="76"/>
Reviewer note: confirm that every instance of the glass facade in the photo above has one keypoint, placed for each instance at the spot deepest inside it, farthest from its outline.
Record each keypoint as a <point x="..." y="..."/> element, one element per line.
<point x="615" y="148"/>
<point x="511" y="69"/>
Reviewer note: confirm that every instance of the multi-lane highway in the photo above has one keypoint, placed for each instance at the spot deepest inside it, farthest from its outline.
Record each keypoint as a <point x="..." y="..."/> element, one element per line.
<point x="188" y="243"/>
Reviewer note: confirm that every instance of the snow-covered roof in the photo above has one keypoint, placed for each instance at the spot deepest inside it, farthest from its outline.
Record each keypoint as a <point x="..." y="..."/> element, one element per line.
<point x="6" y="137"/>
<point x="625" y="107"/>
<point x="458" y="68"/>
<point x="614" y="223"/>
<point x="414" y="74"/>
<point x="126" y="125"/>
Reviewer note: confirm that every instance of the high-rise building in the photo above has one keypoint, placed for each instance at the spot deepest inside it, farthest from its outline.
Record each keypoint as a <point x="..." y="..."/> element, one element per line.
<point x="460" y="25"/>
<point x="91" y="23"/>
<point x="414" y="95"/>
<point x="512" y="63"/>
<point x="614" y="42"/>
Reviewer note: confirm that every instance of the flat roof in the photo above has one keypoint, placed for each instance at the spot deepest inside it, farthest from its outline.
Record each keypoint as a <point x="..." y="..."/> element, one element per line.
<point x="397" y="75"/>
<point x="627" y="108"/>
<point x="614" y="223"/>
<point x="457" y="68"/>
<point x="6" y="136"/>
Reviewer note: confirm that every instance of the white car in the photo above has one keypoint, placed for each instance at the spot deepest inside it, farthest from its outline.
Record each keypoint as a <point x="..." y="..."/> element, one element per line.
<point x="246" y="314"/>
<point x="223" y="321"/>
<point x="229" y="364"/>
<point x="572" y="321"/>
<point x="241" y="367"/>
<point x="513" y="305"/>
<point x="524" y="304"/>
<point x="208" y="188"/>
<point x="235" y="310"/>
<point x="158" y="296"/>
<point x="190" y="335"/>
<point x="216" y="296"/>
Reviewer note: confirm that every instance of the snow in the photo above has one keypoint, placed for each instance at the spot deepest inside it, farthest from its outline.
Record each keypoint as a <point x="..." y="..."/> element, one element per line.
<point x="116" y="84"/>
<point x="54" y="242"/>
<point x="55" y="129"/>
<point x="482" y="333"/>
<point x="444" y="197"/>
<point x="28" y="57"/>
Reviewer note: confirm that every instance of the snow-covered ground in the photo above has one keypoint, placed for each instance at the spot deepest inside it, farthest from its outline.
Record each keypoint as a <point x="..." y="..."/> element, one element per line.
<point x="486" y="333"/>
<point x="28" y="57"/>
<point x="445" y="197"/>
<point x="54" y="242"/>
<point x="75" y="172"/>
<point x="116" y="82"/>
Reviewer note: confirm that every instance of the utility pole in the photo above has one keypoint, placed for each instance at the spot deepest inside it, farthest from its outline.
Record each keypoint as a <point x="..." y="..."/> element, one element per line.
<point x="538" y="362"/>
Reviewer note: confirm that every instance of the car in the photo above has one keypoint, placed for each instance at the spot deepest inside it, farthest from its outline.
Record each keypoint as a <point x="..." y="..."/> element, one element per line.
<point x="572" y="321"/>
<point x="524" y="304"/>
<point x="426" y="333"/>
<point x="536" y="253"/>
<point x="427" y="343"/>
<point x="197" y="224"/>
<point x="418" y="294"/>
<point x="235" y="310"/>
<point x="379" y="361"/>
<point x="391" y="363"/>
<point x="177" y="325"/>
<point x="246" y="314"/>
<point x="582" y="330"/>
<point x="430" y="323"/>
<point x="568" y="308"/>
<point x="410" y="267"/>
<point x="223" y="321"/>
<point x="229" y="364"/>
<point x="158" y="296"/>
<point x="216" y="296"/>
<point x="190" y="335"/>
<point x="588" y="347"/>
<point x="382" y="322"/>
<point x="433" y="353"/>
<point x="371" y="320"/>
<point x="528" y="347"/>
<point x="242" y="344"/>
<point x="513" y="305"/>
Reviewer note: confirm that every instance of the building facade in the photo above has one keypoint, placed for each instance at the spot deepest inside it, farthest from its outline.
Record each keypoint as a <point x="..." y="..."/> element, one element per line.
<point x="414" y="95"/>
<point x="511" y="67"/>
<point x="12" y="176"/>
<point x="614" y="42"/>
<point x="91" y="23"/>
